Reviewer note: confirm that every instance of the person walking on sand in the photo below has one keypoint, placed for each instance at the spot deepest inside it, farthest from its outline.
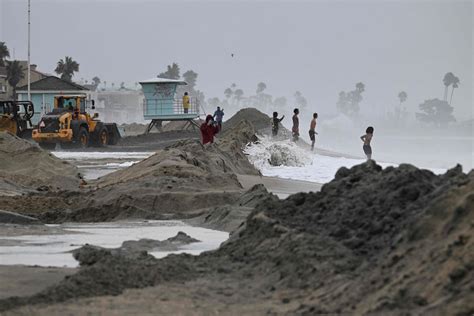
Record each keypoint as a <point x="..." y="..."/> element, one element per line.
<point x="312" y="130"/>
<point x="186" y="103"/>
<point x="208" y="130"/>
<point x="369" y="133"/>
<point x="218" y="116"/>
<point x="296" y="125"/>
<point x="276" y="123"/>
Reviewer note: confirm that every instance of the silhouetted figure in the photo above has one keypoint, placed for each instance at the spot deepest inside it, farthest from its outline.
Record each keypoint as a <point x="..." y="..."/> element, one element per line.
<point x="276" y="123"/>
<point x="296" y="125"/>
<point x="312" y="130"/>
<point x="369" y="133"/>
<point x="218" y="116"/>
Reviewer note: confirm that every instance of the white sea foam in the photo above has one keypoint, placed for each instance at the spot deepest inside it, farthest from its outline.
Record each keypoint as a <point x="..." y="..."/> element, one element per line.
<point x="298" y="163"/>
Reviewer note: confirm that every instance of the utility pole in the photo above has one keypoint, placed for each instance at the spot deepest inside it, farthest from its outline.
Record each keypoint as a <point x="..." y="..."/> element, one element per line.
<point x="29" y="70"/>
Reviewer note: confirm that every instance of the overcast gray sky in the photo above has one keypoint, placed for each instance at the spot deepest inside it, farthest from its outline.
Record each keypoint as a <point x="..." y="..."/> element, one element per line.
<point x="317" y="47"/>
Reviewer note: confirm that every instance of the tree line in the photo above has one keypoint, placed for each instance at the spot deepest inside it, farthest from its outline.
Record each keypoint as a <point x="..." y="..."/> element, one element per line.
<point x="432" y="111"/>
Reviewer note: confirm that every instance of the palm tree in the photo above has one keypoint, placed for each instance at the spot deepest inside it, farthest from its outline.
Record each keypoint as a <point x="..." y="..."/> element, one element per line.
<point x="4" y="53"/>
<point x="447" y="80"/>
<point x="14" y="74"/>
<point x="360" y="87"/>
<point x="238" y="94"/>
<point x="402" y="96"/>
<point x="228" y="92"/>
<point x="261" y="87"/>
<point x="66" y="68"/>
<point x="455" y="85"/>
<point x="95" y="82"/>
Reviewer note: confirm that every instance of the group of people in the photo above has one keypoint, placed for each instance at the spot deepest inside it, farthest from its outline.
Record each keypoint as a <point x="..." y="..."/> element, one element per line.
<point x="213" y="125"/>
<point x="295" y="130"/>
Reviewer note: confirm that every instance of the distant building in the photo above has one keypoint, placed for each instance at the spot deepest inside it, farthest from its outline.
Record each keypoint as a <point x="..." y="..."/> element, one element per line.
<point x="44" y="90"/>
<point x="6" y="91"/>
<point x="35" y="73"/>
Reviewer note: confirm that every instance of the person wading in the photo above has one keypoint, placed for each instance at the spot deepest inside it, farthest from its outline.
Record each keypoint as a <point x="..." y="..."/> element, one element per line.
<point x="296" y="125"/>
<point x="276" y="123"/>
<point x="367" y="138"/>
<point x="312" y="130"/>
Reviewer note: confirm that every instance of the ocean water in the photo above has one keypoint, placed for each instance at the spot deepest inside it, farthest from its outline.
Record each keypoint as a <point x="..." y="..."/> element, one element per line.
<point x="299" y="163"/>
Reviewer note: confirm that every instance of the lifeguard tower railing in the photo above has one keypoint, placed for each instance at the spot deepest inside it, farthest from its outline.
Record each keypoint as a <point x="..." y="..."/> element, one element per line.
<point x="170" y="109"/>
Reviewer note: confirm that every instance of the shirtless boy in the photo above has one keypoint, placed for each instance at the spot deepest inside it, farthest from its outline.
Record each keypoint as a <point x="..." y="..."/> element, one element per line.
<point x="312" y="130"/>
<point x="369" y="133"/>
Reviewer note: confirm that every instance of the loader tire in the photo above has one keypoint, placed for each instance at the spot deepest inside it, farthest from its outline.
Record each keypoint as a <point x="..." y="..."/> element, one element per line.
<point x="100" y="136"/>
<point x="82" y="139"/>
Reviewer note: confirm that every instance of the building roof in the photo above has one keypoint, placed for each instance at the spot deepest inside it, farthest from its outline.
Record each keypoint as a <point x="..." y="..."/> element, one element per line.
<point x="53" y="83"/>
<point x="163" y="80"/>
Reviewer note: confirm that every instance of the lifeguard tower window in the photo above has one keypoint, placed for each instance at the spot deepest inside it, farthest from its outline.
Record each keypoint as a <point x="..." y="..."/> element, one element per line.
<point x="163" y="104"/>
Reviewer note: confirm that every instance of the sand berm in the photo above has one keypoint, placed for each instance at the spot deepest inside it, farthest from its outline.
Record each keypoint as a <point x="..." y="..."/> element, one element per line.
<point x="397" y="241"/>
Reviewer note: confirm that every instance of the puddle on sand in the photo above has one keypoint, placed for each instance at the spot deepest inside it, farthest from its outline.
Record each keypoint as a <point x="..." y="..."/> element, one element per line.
<point x="53" y="250"/>
<point x="93" y="165"/>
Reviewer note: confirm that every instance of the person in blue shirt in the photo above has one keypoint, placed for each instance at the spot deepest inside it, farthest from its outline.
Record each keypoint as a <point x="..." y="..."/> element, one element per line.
<point x="218" y="115"/>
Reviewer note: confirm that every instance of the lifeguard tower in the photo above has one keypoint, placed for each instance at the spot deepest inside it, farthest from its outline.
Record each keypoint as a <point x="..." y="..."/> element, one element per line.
<point x="162" y="104"/>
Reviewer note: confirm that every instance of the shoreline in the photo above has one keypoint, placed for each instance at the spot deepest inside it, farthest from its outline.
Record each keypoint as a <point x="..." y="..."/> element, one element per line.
<point x="279" y="186"/>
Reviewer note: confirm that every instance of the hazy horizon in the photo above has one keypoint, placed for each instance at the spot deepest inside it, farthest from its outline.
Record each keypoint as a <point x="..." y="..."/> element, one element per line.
<point x="319" y="48"/>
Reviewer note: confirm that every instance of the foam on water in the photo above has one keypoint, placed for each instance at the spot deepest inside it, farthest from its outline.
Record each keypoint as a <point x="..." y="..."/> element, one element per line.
<point x="298" y="163"/>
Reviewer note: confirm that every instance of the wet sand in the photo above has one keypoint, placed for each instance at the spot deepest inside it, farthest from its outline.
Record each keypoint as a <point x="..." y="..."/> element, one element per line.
<point x="281" y="187"/>
<point x="18" y="280"/>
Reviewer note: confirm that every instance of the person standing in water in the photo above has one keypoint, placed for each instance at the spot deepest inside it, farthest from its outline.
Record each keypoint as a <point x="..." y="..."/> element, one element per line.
<point x="312" y="130"/>
<point x="296" y="125"/>
<point x="276" y="123"/>
<point x="369" y="133"/>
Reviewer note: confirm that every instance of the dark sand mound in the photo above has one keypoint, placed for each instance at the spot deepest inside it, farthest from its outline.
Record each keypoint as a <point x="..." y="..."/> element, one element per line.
<point x="25" y="167"/>
<point x="134" y="129"/>
<point x="154" y="141"/>
<point x="391" y="241"/>
<point x="87" y="255"/>
<point x="15" y="218"/>
<point x="232" y="216"/>
<point x="177" y="182"/>
<point x="180" y="125"/>
<point x="257" y="119"/>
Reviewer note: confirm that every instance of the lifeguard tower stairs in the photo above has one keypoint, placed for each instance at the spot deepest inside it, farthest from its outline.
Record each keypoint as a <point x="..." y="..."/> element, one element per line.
<point x="162" y="104"/>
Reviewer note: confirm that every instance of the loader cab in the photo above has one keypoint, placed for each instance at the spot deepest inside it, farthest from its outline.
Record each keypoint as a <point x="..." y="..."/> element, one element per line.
<point x="73" y="103"/>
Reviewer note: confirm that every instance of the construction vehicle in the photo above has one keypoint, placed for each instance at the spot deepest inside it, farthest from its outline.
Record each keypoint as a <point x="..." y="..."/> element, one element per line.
<point x="72" y="126"/>
<point x="15" y="117"/>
